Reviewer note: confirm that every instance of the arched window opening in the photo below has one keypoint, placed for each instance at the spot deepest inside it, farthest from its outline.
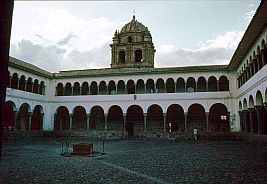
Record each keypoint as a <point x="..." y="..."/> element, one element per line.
<point x="42" y="88"/>
<point x="29" y="85"/>
<point x="85" y="88"/>
<point x="22" y="83"/>
<point x="212" y="84"/>
<point x="121" y="57"/>
<point x="170" y="86"/>
<point x="93" y="88"/>
<point x="160" y="86"/>
<point x="201" y="84"/>
<point x="130" y="87"/>
<point x="150" y="86"/>
<point x="223" y="84"/>
<point x="35" y="86"/>
<point x="14" y="81"/>
<point x="102" y="88"/>
<point x="130" y="39"/>
<point x="121" y="87"/>
<point x="112" y="88"/>
<point x="59" y="89"/>
<point x="190" y="85"/>
<point x="180" y="85"/>
<point x="76" y="88"/>
<point x="68" y="89"/>
<point x="138" y="56"/>
<point x="140" y="87"/>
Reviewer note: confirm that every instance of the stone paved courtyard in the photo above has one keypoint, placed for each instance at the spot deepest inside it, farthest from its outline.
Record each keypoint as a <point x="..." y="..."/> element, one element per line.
<point x="135" y="161"/>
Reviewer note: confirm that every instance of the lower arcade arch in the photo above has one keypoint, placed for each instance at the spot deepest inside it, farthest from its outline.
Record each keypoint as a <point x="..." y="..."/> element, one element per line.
<point x="218" y="118"/>
<point x="79" y="118"/>
<point x="9" y="116"/>
<point x="196" y="118"/>
<point x="175" y="118"/>
<point x="62" y="119"/>
<point x="37" y="118"/>
<point x="97" y="118"/>
<point x="134" y="120"/>
<point x="155" y="119"/>
<point x="115" y="118"/>
<point x="23" y="117"/>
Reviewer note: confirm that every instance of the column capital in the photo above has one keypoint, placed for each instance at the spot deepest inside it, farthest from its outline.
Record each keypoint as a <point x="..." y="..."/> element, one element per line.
<point x="88" y="115"/>
<point x="145" y="114"/>
<point x="265" y="105"/>
<point x="71" y="115"/>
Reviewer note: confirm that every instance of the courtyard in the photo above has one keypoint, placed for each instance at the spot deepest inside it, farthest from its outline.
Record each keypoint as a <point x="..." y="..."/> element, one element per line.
<point x="134" y="161"/>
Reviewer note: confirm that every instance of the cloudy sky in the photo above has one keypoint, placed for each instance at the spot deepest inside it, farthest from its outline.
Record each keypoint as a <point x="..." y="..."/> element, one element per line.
<point x="69" y="35"/>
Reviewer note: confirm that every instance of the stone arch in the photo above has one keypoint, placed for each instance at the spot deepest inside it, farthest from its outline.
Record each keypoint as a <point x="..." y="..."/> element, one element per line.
<point x="170" y="86"/>
<point x="201" y="84"/>
<point x="122" y="56"/>
<point x="23" y="117"/>
<point x="103" y="88"/>
<point x="218" y="118"/>
<point x="160" y="86"/>
<point x="121" y="87"/>
<point x="41" y="88"/>
<point x="140" y="87"/>
<point x="79" y="118"/>
<point x="29" y="85"/>
<point x="196" y="118"/>
<point x="37" y="118"/>
<point x="190" y="85"/>
<point x="138" y="56"/>
<point x="60" y="89"/>
<point x="130" y="87"/>
<point x="150" y="86"/>
<point x="240" y="106"/>
<point x="22" y="83"/>
<point x="111" y="88"/>
<point x="262" y="44"/>
<point x="155" y="118"/>
<point x="180" y="85"/>
<point x="35" y="86"/>
<point x="76" y="88"/>
<point x="93" y="88"/>
<point x="115" y="118"/>
<point x="97" y="119"/>
<point x="223" y="83"/>
<point x="212" y="84"/>
<point x="9" y="116"/>
<point x="85" y="88"/>
<point x="245" y="104"/>
<point x="251" y="102"/>
<point x="62" y="119"/>
<point x="175" y="118"/>
<point x="259" y="99"/>
<point x="14" y="81"/>
<point x="134" y="120"/>
<point x="68" y="89"/>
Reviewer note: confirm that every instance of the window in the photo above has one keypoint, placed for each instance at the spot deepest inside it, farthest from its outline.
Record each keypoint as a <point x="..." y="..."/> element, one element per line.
<point x="121" y="57"/>
<point x="138" y="56"/>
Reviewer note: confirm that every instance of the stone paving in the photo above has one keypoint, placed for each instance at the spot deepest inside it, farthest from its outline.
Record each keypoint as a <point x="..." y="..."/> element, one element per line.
<point x="135" y="161"/>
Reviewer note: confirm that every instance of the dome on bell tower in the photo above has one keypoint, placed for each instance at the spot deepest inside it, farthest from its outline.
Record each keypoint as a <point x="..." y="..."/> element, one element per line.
<point x="132" y="46"/>
<point x="133" y="26"/>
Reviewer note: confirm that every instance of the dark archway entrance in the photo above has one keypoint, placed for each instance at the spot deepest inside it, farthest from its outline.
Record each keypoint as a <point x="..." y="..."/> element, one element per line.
<point x="175" y="118"/>
<point x="218" y="118"/>
<point x="134" y="120"/>
<point x="62" y="120"/>
<point x="196" y="118"/>
<point x="155" y="119"/>
<point x="115" y="118"/>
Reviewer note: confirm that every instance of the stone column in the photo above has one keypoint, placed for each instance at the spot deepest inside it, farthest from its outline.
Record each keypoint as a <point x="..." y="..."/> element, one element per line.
<point x="124" y="121"/>
<point x="164" y="121"/>
<point x="244" y="112"/>
<point x="185" y="121"/>
<point x="241" y="121"/>
<point x="185" y="87"/>
<point x="145" y="118"/>
<point x="71" y="117"/>
<point x="88" y="121"/>
<point x="251" y="110"/>
<point x="207" y="120"/>
<point x="30" y="120"/>
<point x="218" y="85"/>
<point x="15" y="113"/>
<point x="196" y="86"/>
<point x="106" y="122"/>
<point x="259" y="112"/>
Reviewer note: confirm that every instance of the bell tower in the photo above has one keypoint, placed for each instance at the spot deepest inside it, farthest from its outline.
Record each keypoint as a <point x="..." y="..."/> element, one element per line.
<point x="132" y="47"/>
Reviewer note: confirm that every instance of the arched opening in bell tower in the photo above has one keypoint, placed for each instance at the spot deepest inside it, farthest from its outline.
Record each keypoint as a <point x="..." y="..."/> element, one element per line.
<point x="121" y="57"/>
<point x="138" y="56"/>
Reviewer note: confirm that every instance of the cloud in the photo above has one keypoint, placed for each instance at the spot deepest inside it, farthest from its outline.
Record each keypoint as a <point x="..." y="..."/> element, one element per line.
<point x="67" y="39"/>
<point x="53" y="58"/>
<point x="214" y="51"/>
